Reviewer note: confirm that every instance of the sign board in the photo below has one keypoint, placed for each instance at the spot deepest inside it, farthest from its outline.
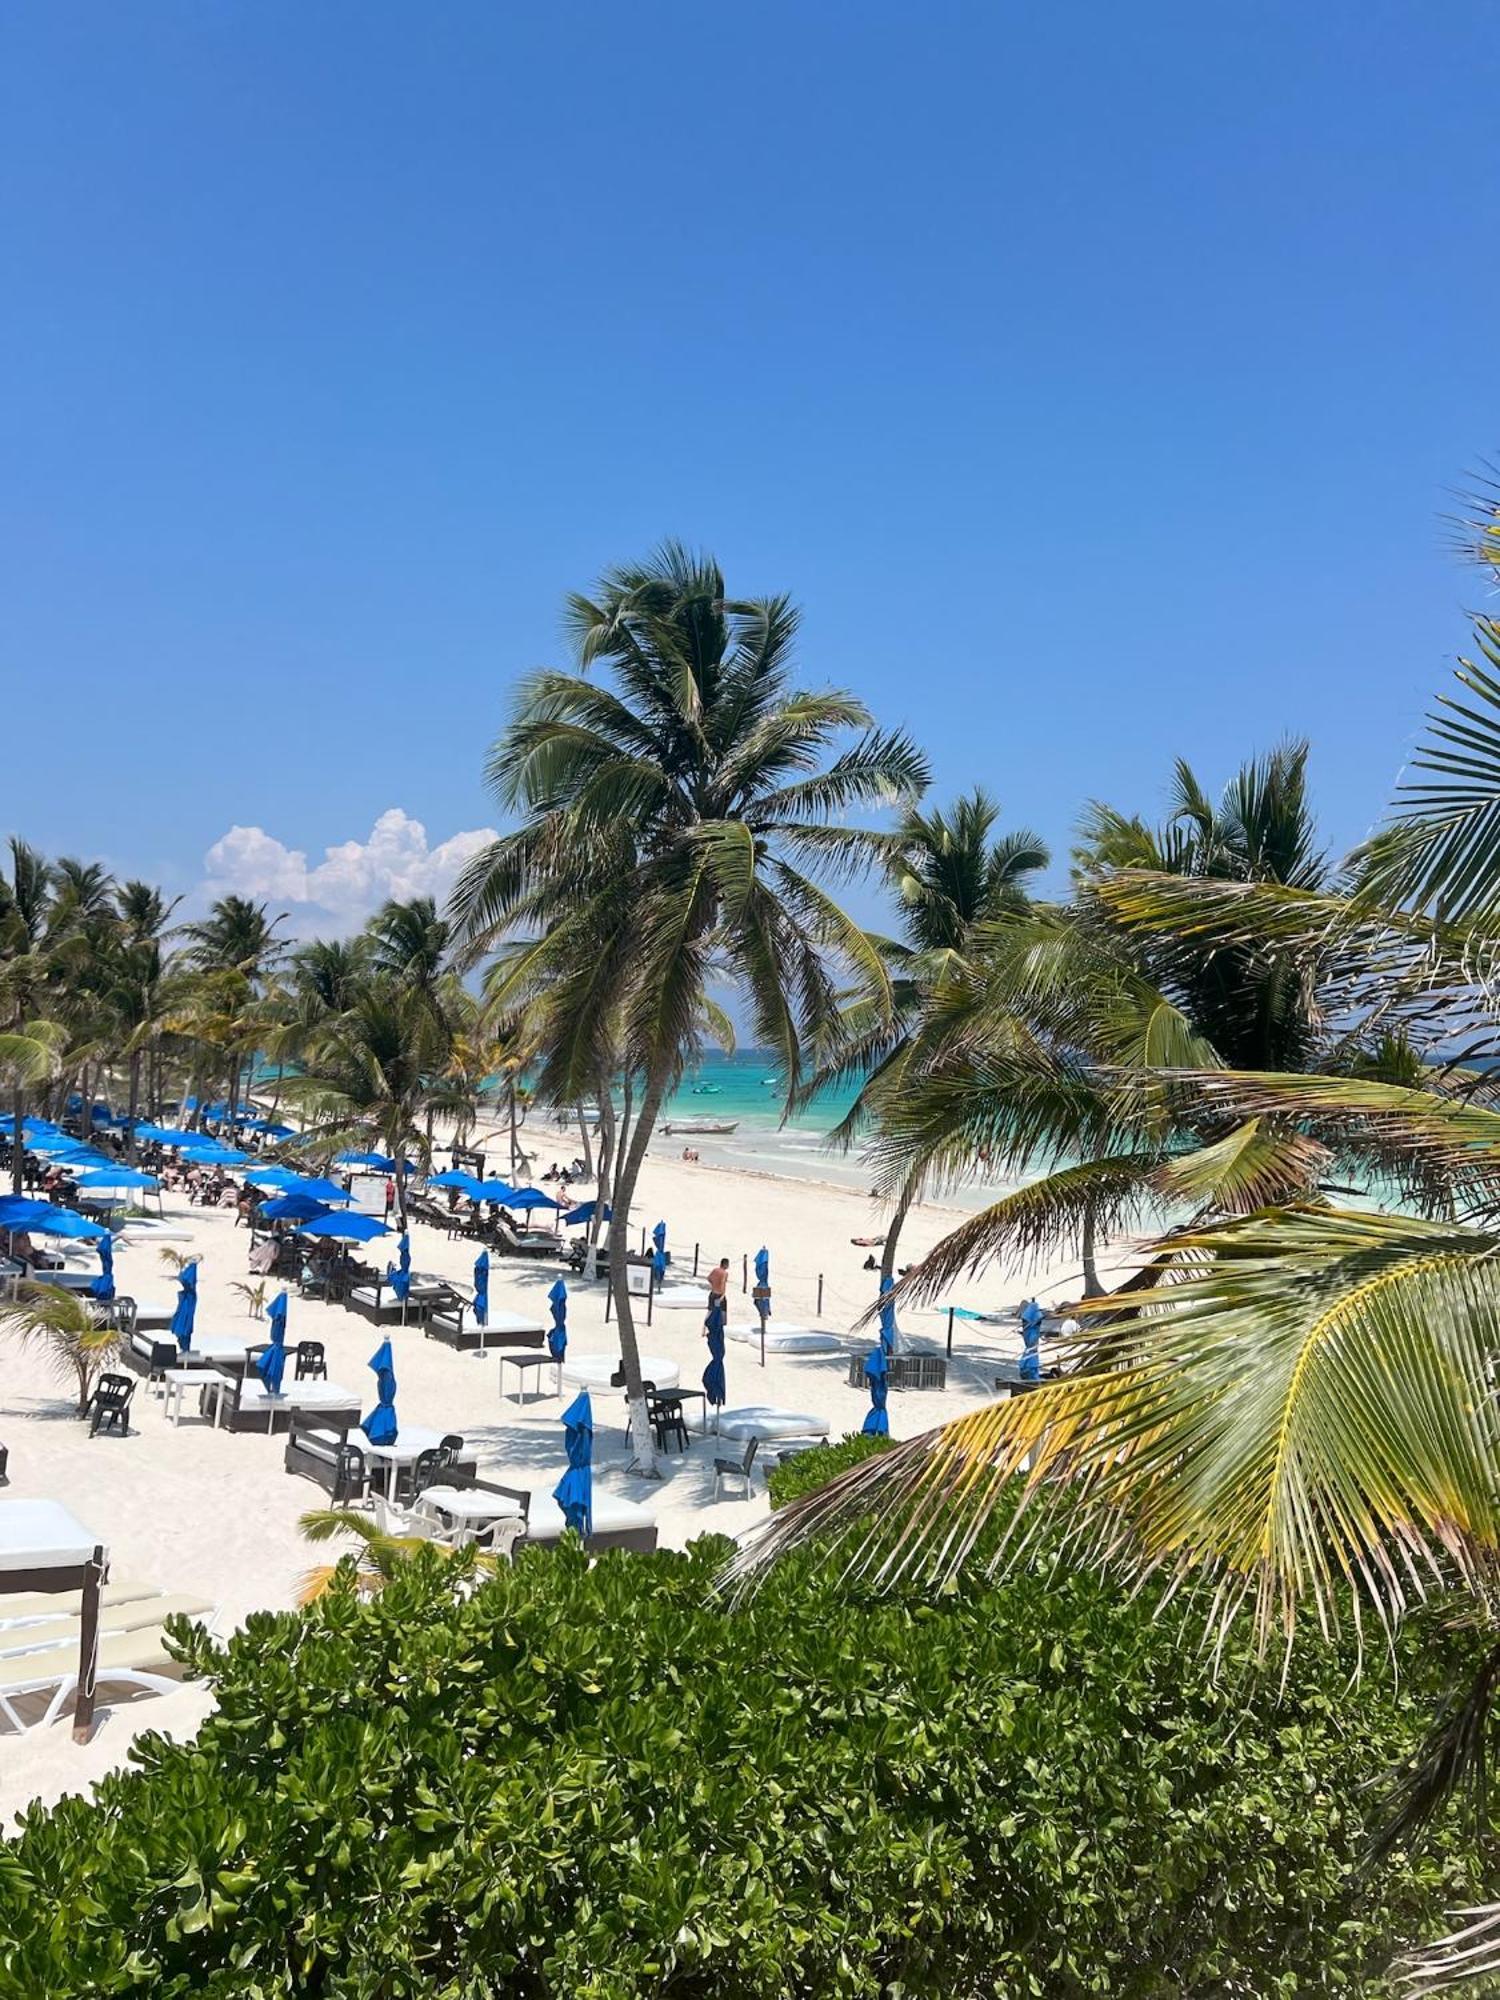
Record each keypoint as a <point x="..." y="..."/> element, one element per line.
<point x="367" y="1194"/>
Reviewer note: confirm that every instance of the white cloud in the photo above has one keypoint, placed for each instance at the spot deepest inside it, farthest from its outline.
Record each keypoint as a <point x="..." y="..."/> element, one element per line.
<point x="353" y="878"/>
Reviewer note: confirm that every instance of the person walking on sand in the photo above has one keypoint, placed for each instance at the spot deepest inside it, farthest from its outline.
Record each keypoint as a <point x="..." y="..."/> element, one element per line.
<point x="718" y="1286"/>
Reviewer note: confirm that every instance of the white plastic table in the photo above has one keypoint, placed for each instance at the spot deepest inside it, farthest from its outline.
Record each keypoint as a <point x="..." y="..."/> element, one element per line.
<point x="177" y="1381"/>
<point x="522" y="1358"/>
<point x="470" y="1512"/>
<point x="760" y="1420"/>
<point x="408" y="1445"/>
<point x="593" y="1371"/>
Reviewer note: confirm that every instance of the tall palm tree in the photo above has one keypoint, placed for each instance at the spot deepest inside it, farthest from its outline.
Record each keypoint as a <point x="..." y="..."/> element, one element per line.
<point x="951" y="878"/>
<point x="26" y="898"/>
<point x="669" y="814"/>
<point x="410" y="942"/>
<point x="237" y="940"/>
<point x="138" y="985"/>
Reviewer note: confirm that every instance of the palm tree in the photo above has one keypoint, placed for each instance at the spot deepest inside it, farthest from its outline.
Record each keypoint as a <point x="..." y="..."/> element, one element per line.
<point x="372" y="1073"/>
<point x="138" y="987"/>
<point x="63" y="1323"/>
<point x="1295" y="1403"/>
<point x="668" y="815"/>
<point x="25" y="911"/>
<point x="379" y="1555"/>
<point x="951" y="878"/>
<point x="238" y="938"/>
<point x="409" y="941"/>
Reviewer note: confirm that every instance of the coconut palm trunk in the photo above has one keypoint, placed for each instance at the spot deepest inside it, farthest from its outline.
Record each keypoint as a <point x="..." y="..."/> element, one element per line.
<point x="133" y="1104"/>
<point x="893" y="1229"/>
<point x="642" y="1441"/>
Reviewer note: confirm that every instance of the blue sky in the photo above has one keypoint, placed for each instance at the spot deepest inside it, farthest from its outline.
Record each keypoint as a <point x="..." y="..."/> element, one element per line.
<point x="1095" y="378"/>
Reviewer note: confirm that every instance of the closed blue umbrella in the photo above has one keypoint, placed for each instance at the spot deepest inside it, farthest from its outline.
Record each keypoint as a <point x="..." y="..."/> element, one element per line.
<point x="380" y="1425"/>
<point x="272" y="1364"/>
<point x="877" y="1423"/>
<point x="557" y="1339"/>
<point x="659" y="1258"/>
<point x="1032" y="1315"/>
<point x="574" y="1492"/>
<point x="187" y="1305"/>
<point x="1030" y="1369"/>
<point x="888" y="1333"/>
<point x="482" y="1289"/>
<point x="713" y="1375"/>
<point x="763" y="1282"/>
<point x="103" y="1286"/>
<point x="399" y="1273"/>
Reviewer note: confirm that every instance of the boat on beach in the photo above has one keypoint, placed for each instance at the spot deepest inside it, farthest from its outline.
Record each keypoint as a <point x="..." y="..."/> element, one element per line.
<point x="701" y="1128"/>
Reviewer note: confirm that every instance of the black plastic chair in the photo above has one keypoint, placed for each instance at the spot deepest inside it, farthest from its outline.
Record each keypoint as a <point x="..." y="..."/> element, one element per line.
<point x="350" y="1475"/>
<point x="311" y="1362"/>
<point x="109" y="1406"/>
<point x="736" y="1468"/>
<point x="667" y="1420"/>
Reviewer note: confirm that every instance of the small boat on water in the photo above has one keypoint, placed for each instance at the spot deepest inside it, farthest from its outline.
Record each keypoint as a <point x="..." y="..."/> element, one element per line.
<point x="700" y="1128"/>
<point x="708" y="1090"/>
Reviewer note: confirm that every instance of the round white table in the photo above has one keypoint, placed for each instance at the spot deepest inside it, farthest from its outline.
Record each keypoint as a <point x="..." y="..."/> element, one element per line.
<point x="594" y="1371"/>
<point x="770" y="1425"/>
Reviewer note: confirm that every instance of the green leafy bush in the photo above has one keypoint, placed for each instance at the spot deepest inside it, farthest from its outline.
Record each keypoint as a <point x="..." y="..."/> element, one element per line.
<point x="597" y="1783"/>
<point x="807" y="1470"/>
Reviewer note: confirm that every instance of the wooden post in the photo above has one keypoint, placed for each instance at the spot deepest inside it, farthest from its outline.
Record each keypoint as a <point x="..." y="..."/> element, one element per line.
<point x="763" y="1310"/>
<point x="819" y="1313"/>
<point x="950" y="1333"/>
<point x="695" y="1260"/>
<point x="650" y="1301"/>
<point x="88" y="1647"/>
<point x="609" y="1297"/>
<point x="744" y="1272"/>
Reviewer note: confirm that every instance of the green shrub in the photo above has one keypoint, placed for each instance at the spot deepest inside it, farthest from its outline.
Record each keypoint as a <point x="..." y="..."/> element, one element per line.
<point x="596" y="1783"/>
<point x="807" y="1470"/>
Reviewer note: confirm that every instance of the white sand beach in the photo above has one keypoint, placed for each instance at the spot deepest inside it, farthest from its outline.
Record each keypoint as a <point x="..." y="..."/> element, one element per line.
<point x="193" y="1508"/>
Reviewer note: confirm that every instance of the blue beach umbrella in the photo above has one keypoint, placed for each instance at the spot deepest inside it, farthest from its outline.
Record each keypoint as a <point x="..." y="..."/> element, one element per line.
<point x="763" y="1281"/>
<point x="574" y="1492"/>
<point x="344" y="1228"/>
<point x="380" y="1425"/>
<point x="45" y="1218"/>
<point x="1030" y="1369"/>
<point x="455" y="1177"/>
<point x="714" y="1386"/>
<point x="557" y="1338"/>
<point x="497" y="1191"/>
<point x="888" y="1333"/>
<point x="877" y="1423"/>
<point x="1032" y="1316"/>
<point x="272" y="1364"/>
<point x="283" y="1178"/>
<point x="293" y="1208"/>
<point x="376" y="1162"/>
<point x="187" y="1304"/>
<point x="319" y="1188"/>
<point x="525" y="1198"/>
<point x="659" y="1257"/>
<point x="103" y="1286"/>
<point x="583" y="1212"/>
<point x="482" y="1289"/>
<point x="117" y="1177"/>
<point x="399" y="1273"/>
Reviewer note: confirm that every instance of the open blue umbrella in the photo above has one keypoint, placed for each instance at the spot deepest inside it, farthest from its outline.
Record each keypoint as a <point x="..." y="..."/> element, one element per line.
<point x="293" y="1208"/>
<point x="455" y="1177"/>
<point x="272" y="1364"/>
<point x="343" y="1228"/>
<point x="500" y="1192"/>
<point x="574" y="1492"/>
<point x="525" y="1198"/>
<point x="399" y="1273"/>
<point x="214" y="1156"/>
<point x="282" y="1178"/>
<point x="482" y="1289"/>
<point x="877" y="1369"/>
<point x="376" y="1162"/>
<point x="888" y="1333"/>
<point x="714" y="1386"/>
<point x="45" y="1218"/>
<point x="557" y="1339"/>
<point x="380" y="1425"/>
<point x="187" y="1304"/>
<point x="583" y="1211"/>
<point x="103" y="1286"/>
<point x="116" y="1177"/>
<point x="319" y="1188"/>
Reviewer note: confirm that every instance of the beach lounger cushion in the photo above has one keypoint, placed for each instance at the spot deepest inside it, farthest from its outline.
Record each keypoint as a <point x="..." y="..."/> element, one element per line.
<point x="137" y="1659"/>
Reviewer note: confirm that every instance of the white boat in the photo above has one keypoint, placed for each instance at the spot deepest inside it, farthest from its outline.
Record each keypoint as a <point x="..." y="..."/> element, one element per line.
<point x="700" y="1128"/>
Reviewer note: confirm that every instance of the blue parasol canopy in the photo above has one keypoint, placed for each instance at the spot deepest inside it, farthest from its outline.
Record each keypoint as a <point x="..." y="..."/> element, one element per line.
<point x="272" y="1364"/>
<point x="713" y="1375"/>
<point x="482" y="1289"/>
<point x="877" y="1370"/>
<point x="187" y="1305"/>
<point x="399" y="1273"/>
<point x="497" y="1191"/>
<point x="103" y="1286"/>
<point x="529" y="1198"/>
<point x="293" y="1208"/>
<point x="344" y="1228"/>
<point x="557" y="1339"/>
<point x="455" y="1177"/>
<point x="117" y="1177"/>
<point x="214" y="1156"/>
<point x="319" y="1187"/>
<point x="274" y="1177"/>
<point x="380" y="1425"/>
<point x="583" y="1211"/>
<point x="574" y="1492"/>
<point x="45" y="1218"/>
<point x="376" y="1162"/>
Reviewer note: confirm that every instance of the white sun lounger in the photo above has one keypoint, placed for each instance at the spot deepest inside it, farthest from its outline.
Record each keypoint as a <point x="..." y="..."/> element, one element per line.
<point x="137" y="1616"/>
<point x="25" y="1607"/>
<point x="127" y="1659"/>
